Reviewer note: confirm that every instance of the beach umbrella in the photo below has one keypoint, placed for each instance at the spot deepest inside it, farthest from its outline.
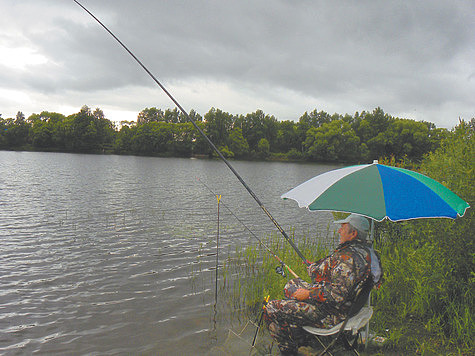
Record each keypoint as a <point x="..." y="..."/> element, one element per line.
<point x="378" y="192"/>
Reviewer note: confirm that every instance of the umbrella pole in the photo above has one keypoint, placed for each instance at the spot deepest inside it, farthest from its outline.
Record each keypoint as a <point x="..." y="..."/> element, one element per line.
<point x="369" y="297"/>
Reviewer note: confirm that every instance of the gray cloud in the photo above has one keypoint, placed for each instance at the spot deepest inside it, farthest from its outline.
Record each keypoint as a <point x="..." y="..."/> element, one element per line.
<point x="287" y="57"/>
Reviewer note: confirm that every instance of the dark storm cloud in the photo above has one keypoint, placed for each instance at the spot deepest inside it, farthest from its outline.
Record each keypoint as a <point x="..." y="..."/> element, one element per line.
<point x="406" y="57"/>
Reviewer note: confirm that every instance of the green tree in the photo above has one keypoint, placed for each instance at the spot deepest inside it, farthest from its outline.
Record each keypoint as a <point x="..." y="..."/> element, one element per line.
<point x="287" y="137"/>
<point x="106" y="131"/>
<point x="3" y="130"/>
<point x="225" y="151"/>
<point x="371" y="129"/>
<point x="333" y="141"/>
<point x="258" y="125"/>
<point x="63" y="135"/>
<point x="218" y="125"/>
<point x="154" y="114"/>
<point x="16" y="132"/>
<point x="172" y="116"/>
<point x="148" y="139"/>
<point x="123" y="142"/>
<point x="237" y="143"/>
<point x="307" y="121"/>
<point x="200" y="144"/>
<point x="406" y="138"/>
<point x="315" y="119"/>
<point x="183" y="138"/>
<point x="43" y="129"/>
<point x="263" y="148"/>
<point x="150" y="115"/>
<point x="88" y="131"/>
<point x="192" y="114"/>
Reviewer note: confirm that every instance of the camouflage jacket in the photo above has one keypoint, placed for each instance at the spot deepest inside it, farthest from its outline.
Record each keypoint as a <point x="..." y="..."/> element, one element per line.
<point x="336" y="279"/>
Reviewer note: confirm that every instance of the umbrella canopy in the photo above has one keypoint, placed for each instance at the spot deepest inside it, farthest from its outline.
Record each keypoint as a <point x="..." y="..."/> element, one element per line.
<point x="378" y="192"/>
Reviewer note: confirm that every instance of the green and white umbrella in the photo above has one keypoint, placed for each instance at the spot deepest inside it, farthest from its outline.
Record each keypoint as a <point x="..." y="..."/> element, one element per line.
<point x="378" y="192"/>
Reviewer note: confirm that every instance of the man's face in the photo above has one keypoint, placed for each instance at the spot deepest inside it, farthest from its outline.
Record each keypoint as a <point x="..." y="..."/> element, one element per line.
<point x="345" y="234"/>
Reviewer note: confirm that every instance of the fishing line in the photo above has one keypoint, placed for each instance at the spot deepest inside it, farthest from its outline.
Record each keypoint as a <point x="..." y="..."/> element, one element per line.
<point x="261" y="205"/>
<point x="282" y="264"/>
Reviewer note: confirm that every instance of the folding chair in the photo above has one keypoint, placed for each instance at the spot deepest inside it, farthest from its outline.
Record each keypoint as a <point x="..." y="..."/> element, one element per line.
<point x="358" y="317"/>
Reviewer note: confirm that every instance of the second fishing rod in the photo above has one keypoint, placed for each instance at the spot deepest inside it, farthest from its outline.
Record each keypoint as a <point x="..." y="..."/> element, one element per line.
<point x="283" y="265"/>
<point x="258" y="201"/>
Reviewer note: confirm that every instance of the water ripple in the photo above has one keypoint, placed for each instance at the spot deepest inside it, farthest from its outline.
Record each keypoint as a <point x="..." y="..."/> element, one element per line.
<point x="100" y="254"/>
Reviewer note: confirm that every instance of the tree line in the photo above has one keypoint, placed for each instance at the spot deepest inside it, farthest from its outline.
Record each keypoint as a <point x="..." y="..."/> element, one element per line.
<point x="316" y="136"/>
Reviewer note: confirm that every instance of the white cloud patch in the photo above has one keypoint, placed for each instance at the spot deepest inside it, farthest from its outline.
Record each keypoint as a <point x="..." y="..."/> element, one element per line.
<point x="20" y="58"/>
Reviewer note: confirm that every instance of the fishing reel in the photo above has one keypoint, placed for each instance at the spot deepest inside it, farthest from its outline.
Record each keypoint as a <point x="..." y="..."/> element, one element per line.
<point x="280" y="270"/>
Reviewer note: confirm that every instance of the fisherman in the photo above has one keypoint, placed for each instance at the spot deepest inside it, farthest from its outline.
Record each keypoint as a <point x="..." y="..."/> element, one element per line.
<point x="336" y="280"/>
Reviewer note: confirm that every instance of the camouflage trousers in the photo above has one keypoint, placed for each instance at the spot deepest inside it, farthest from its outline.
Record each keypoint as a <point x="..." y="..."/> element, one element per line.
<point x="285" y="319"/>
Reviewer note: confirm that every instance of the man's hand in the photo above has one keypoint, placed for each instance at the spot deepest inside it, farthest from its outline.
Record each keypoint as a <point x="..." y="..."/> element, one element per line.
<point x="301" y="294"/>
<point x="309" y="269"/>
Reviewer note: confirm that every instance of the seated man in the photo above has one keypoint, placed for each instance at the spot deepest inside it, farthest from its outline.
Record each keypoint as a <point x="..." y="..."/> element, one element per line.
<point x="326" y="301"/>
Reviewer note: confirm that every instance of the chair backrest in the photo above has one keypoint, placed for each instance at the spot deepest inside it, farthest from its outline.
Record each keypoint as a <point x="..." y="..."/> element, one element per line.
<point x="361" y="298"/>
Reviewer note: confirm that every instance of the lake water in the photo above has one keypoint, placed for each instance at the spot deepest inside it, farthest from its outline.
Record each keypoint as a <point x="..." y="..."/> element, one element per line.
<point x="115" y="254"/>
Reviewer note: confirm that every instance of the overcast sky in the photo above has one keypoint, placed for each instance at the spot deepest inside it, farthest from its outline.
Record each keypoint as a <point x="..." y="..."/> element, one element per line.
<point x="414" y="59"/>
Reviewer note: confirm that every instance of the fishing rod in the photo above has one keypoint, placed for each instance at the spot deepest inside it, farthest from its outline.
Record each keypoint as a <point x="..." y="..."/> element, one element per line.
<point x="261" y="205"/>
<point x="279" y="269"/>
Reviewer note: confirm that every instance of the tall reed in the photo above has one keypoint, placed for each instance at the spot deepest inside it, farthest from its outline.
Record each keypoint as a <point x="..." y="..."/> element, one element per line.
<point x="249" y="272"/>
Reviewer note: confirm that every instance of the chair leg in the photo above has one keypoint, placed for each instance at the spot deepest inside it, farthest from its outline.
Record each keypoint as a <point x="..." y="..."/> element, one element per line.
<point x="327" y="348"/>
<point x="354" y="344"/>
<point x="320" y="341"/>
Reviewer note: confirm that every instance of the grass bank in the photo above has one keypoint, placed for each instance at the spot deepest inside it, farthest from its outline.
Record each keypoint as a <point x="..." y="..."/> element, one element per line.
<point x="426" y="304"/>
